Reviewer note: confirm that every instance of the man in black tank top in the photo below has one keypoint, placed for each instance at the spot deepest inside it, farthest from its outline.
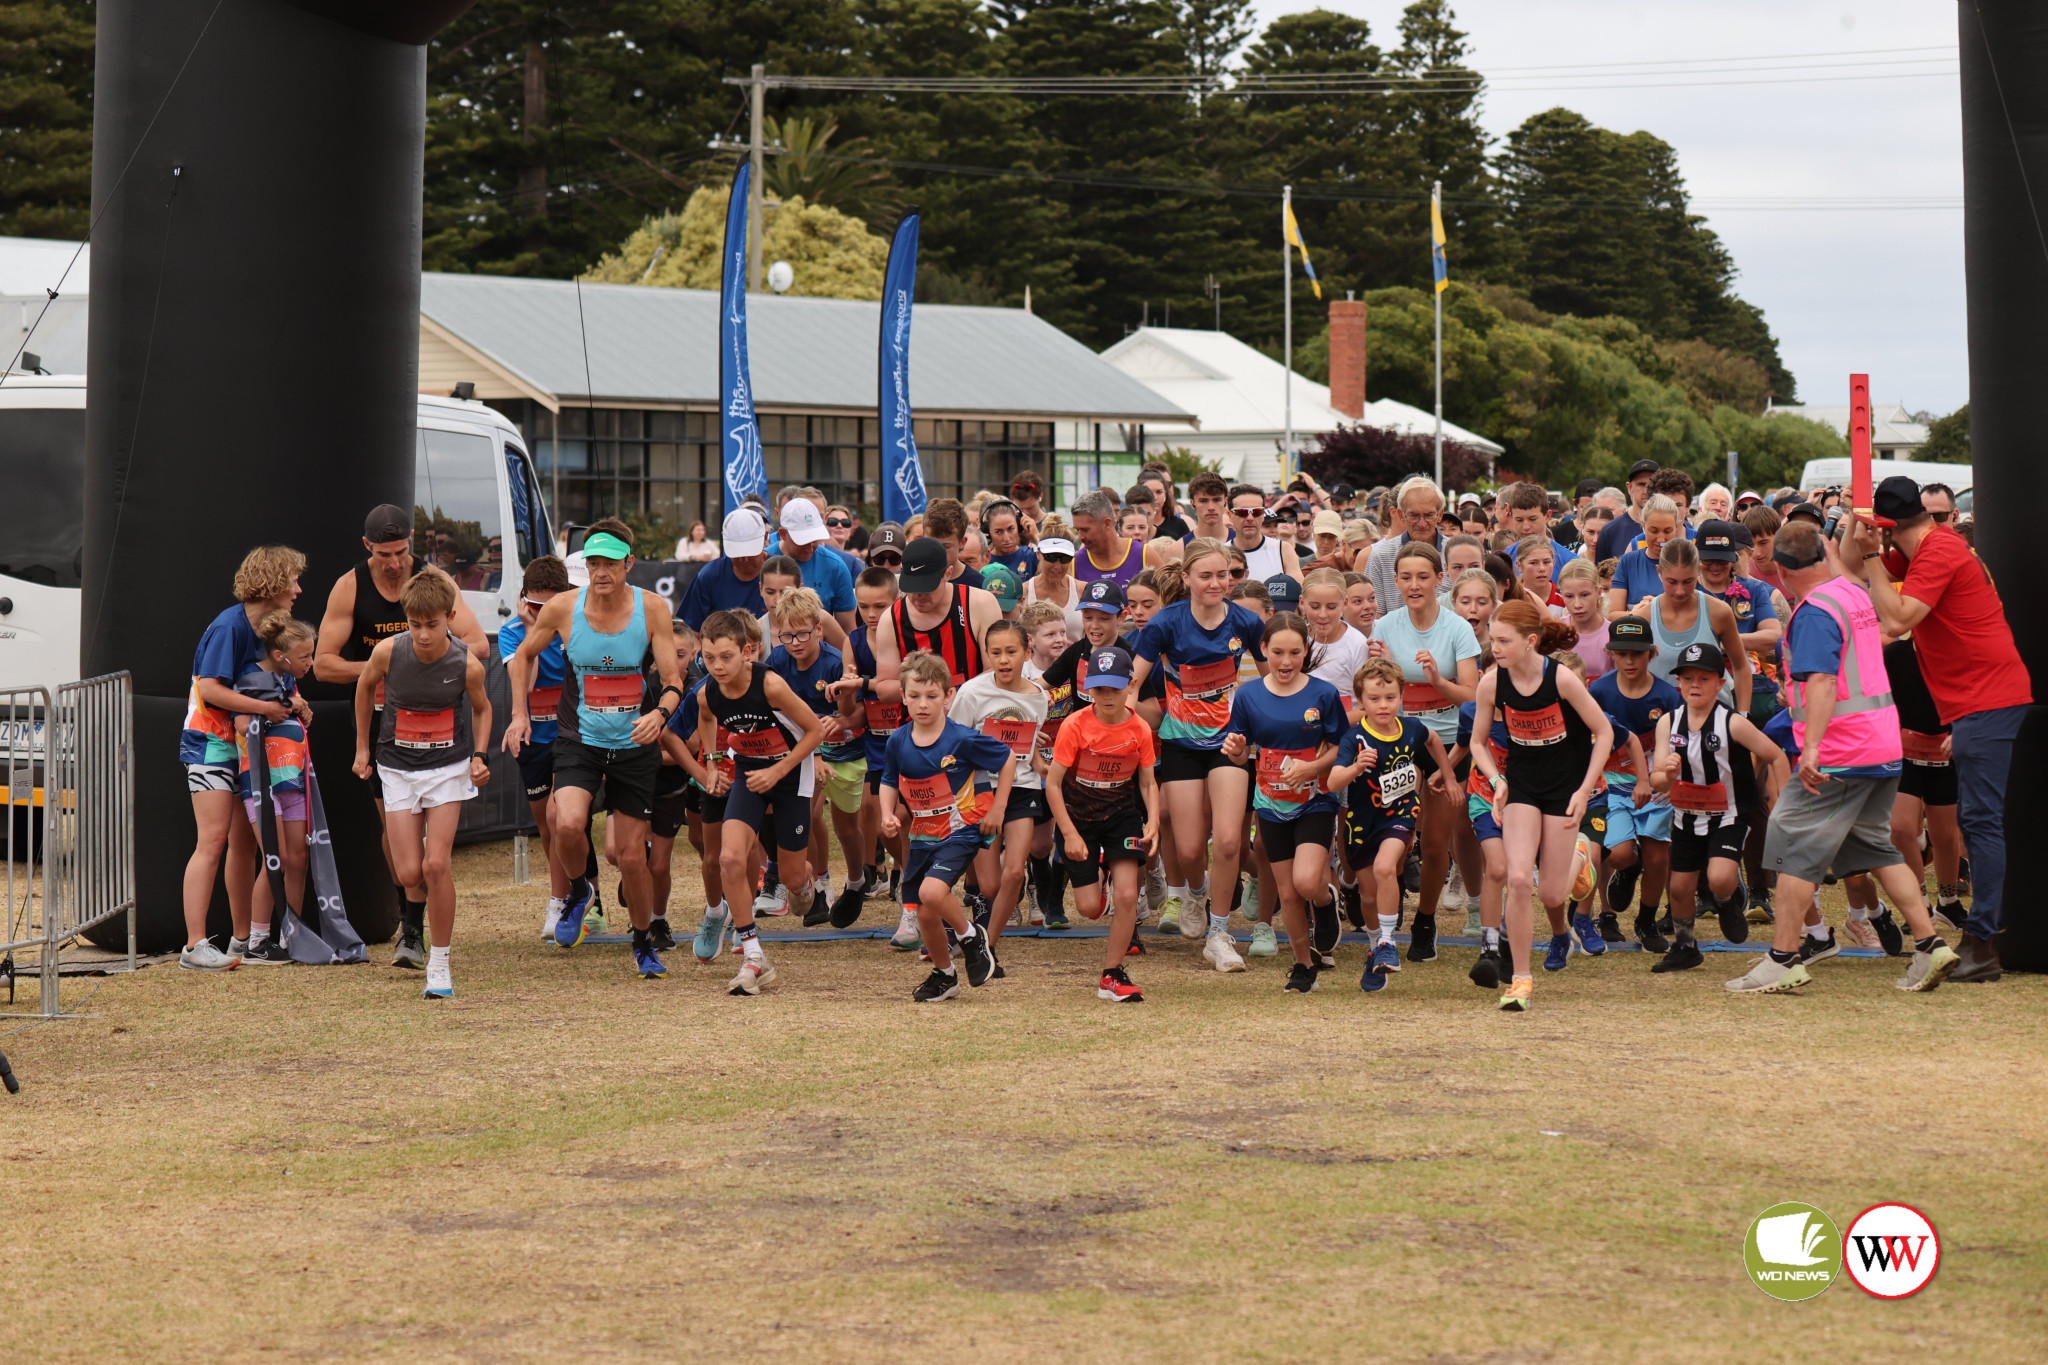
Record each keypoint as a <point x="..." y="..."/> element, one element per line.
<point x="930" y="603"/>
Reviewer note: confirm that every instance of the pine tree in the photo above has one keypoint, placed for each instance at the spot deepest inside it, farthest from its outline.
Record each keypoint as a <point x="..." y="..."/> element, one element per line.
<point x="46" y="70"/>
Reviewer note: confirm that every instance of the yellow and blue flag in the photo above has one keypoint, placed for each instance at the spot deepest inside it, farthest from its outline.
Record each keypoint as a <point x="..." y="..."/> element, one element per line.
<point x="1436" y="246"/>
<point x="1293" y="231"/>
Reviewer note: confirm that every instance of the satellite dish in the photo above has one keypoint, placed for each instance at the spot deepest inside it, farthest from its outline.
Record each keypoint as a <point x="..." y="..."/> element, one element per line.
<point x="781" y="277"/>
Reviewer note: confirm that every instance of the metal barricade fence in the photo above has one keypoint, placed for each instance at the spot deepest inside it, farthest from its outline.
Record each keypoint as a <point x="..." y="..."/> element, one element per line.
<point x="75" y="764"/>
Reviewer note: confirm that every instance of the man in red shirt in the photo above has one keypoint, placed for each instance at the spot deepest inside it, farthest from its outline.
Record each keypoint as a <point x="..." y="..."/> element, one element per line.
<point x="1981" y="688"/>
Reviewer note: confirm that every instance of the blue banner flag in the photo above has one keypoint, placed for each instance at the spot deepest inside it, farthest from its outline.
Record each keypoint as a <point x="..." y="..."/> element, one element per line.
<point x="744" y="471"/>
<point x="902" y="477"/>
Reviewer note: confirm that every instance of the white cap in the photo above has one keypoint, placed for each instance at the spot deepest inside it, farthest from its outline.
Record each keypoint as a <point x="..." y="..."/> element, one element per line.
<point x="579" y="572"/>
<point x="1056" y="546"/>
<point x="745" y="534"/>
<point x="801" y="522"/>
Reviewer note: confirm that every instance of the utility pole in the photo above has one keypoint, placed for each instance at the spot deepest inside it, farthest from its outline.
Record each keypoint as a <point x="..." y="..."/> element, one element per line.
<point x="1287" y="334"/>
<point x="1436" y="195"/>
<point x="757" y="89"/>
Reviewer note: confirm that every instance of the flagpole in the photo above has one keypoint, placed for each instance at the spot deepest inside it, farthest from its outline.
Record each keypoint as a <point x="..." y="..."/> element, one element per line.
<point x="1287" y="331"/>
<point x="1436" y="195"/>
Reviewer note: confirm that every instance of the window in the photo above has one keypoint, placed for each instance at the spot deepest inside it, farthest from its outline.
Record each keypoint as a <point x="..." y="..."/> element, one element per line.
<point x="456" y="517"/>
<point x="42" y="507"/>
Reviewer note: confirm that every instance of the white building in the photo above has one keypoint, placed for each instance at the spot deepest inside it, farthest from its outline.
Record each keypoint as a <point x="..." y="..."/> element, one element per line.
<point x="29" y="268"/>
<point x="1239" y="399"/>
<point x="1894" y="435"/>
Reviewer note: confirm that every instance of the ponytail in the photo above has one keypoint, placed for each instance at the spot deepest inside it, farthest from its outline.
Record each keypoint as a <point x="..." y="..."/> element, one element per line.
<point x="1549" y="633"/>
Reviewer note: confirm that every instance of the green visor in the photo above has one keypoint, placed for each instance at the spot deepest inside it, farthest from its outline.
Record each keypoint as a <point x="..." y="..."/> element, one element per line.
<point x="605" y="545"/>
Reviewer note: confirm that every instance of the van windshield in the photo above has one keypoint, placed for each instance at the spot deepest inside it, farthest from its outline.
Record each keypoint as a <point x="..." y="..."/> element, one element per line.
<point x="456" y="517"/>
<point x="42" y="494"/>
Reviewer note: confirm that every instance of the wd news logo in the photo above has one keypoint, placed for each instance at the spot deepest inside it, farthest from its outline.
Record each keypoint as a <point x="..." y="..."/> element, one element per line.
<point x="1794" y="1251"/>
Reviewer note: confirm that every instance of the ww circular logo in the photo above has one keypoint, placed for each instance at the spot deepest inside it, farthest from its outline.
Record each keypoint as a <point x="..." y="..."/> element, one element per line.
<point x="1793" y="1251"/>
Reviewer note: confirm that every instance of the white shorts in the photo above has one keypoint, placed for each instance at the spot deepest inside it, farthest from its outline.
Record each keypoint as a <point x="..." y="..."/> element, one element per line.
<point x="425" y="788"/>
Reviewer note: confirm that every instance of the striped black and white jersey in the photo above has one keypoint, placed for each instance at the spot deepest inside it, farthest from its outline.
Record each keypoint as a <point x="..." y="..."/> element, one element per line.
<point x="1716" y="783"/>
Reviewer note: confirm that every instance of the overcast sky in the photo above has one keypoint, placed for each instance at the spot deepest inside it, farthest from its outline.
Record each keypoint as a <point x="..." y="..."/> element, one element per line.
<point x="1870" y="290"/>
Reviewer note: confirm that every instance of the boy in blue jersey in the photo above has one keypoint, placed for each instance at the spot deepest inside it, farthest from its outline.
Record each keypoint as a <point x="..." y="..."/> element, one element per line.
<point x="955" y="784"/>
<point x="811" y="668"/>
<point x="545" y="579"/>
<point x="1638" y="821"/>
<point x="861" y="705"/>
<point x="1386" y="748"/>
<point x="1491" y="968"/>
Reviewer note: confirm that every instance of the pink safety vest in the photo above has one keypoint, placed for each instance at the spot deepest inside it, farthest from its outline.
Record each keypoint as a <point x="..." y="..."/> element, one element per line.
<point x="1864" y="727"/>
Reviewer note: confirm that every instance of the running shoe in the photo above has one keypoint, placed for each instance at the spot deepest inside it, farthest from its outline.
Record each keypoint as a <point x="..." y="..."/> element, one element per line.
<point x="594" y="921"/>
<point x="1422" y="939"/>
<point x="204" y="957"/>
<point x="1592" y="942"/>
<point x="1889" y="935"/>
<point x="1515" y="999"/>
<point x="1813" y="949"/>
<point x="846" y="911"/>
<point x="908" y="937"/>
<point x="1489" y="971"/>
<point x="1610" y="928"/>
<point x="1221" y="953"/>
<point x="440" y="982"/>
<point x="1137" y="949"/>
<point x="710" y="934"/>
<point x="1666" y="925"/>
<point x="1734" y="924"/>
<point x="1411" y="873"/>
<point x="269" y="953"/>
<point x="573" y="928"/>
<point x="1325" y="962"/>
<point x="1760" y="909"/>
<point x="819" y="911"/>
<point x="979" y="960"/>
<point x="1859" y="933"/>
<point x="1056" y="919"/>
<point x="1325" y="929"/>
<point x="1384" y="962"/>
<point x="1952" y="914"/>
<point x="648" y="962"/>
<point x="1265" y="943"/>
<point x="1194" y="917"/>
<point x="1682" y="957"/>
<point x="1770" y="977"/>
<point x="659" y="935"/>
<point x="1474" y="928"/>
<point x="936" y="987"/>
<point x="1354" y="904"/>
<point x="1928" y="970"/>
<point x="1559" y="954"/>
<point x="1116" y="987"/>
<point x="1301" y="979"/>
<point x="550" y="918"/>
<point x="1621" y="886"/>
<point x="238" y="948"/>
<point x="773" y="900"/>
<point x="1169" y="914"/>
<point x="800" y="902"/>
<point x="754" y="974"/>
<point x="411" y="951"/>
<point x="1588" y="879"/>
<point x="1649" y="936"/>
<point x="1250" y="902"/>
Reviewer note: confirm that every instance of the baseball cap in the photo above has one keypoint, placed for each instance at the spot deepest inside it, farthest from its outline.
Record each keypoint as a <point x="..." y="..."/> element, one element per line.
<point x="1630" y="632"/>
<point x="578" y="571"/>
<point x="1715" y="540"/>
<point x="1284" y="591"/>
<point x="605" y="545"/>
<point x="1642" y="467"/>
<point x="924" y="566"/>
<point x="1744" y="540"/>
<point x="1747" y="496"/>
<point x="1586" y="488"/>
<point x="387" y="522"/>
<point x="1808" y="510"/>
<point x="1056" y="545"/>
<point x="1468" y="500"/>
<point x="800" y="520"/>
<point x="1342" y="491"/>
<point x="1002" y="581"/>
<point x="1109" y="666"/>
<point x="1101" y="595"/>
<point x="1897" y="499"/>
<point x="1328" y="523"/>
<point x="887" y="536"/>
<point x="1701" y="655"/>
<point x="745" y="534"/>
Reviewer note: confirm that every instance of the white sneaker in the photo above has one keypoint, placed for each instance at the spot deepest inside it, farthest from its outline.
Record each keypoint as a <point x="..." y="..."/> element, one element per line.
<point x="799" y="905"/>
<point x="1770" y="977"/>
<point x="1170" y="911"/>
<point x="908" y="935"/>
<point x="1454" y="886"/>
<point x="1194" y="917"/>
<point x="774" y="902"/>
<point x="238" y="948"/>
<point x="207" y="958"/>
<point x="440" y="983"/>
<point x="1222" y="953"/>
<point x="551" y="918"/>
<point x="754" y="974"/>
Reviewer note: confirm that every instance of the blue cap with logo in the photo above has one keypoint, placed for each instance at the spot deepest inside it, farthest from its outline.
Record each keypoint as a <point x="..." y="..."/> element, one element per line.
<point x="1284" y="590"/>
<point x="1102" y="595"/>
<point x="1109" y="666"/>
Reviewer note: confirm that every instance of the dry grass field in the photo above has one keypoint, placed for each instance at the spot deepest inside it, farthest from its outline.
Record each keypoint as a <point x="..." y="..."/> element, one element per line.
<point x="568" y="1163"/>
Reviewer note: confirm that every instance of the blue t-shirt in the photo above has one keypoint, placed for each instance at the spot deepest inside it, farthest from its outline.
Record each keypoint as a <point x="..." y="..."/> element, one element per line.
<point x="1449" y="641"/>
<point x="1638" y="716"/>
<point x="1391" y="785"/>
<point x="716" y="588"/>
<point x="949" y="785"/>
<point x="1560" y="555"/>
<point x="546" y="693"/>
<point x="1778" y="729"/>
<point x="809" y="686"/>
<point x="825" y="573"/>
<point x="1637" y="577"/>
<point x="1022" y="561"/>
<point x="1295" y="726"/>
<point x="227" y="650"/>
<point x="1750" y="600"/>
<point x="1201" y="668"/>
<point x="1814" y="644"/>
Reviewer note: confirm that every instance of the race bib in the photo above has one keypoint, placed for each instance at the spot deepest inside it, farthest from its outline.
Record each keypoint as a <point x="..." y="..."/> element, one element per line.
<point x="611" y="694"/>
<point x="884" y="717"/>
<point x="1477" y="784"/>
<point x="542" y="703"/>
<point x="1270" y="785"/>
<point x="1923" y="749"/>
<point x="768" y="743"/>
<point x="424" y="729"/>
<point x="1398" y="783"/>
<point x="1105" y="770"/>
<point x="931" y="804"/>
<point x="1018" y="734"/>
<point x="1619" y="762"/>
<point x="1206" y="682"/>
<point x="1705" y="798"/>
<point x="1545" y="726"/>
<point x="1422" y="697"/>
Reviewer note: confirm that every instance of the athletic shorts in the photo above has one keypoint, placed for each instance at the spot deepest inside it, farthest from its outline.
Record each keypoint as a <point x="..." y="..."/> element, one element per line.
<point x="1690" y="852"/>
<point x="672" y="803"/>
<point x="1178" y="763"/>
<point x="290" y="806"/>
<point x="625" y="776"/>
<point x="843" y="782"/>
<point x="422" y="789"/>
<point x="1553" y="803"/>
<point x="212" y="777"/>
<point x="1480" y="812"/>
<point x="1027" y="803"/>
<point x="787" y="802"/>
<point x="537" y="770"/>
<point x="1845" y="830"/>
<point x="1112" y="841"/>
<point x="1626" y="820"/>
<point x="1280" y="838"/>
<point x="946" y="859"/>
<point x="1933" y="783"/>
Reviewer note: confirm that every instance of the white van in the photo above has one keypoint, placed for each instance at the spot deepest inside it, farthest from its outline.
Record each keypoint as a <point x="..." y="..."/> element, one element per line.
<point x="473" y="484"/>
<point x="1834" y="473"/>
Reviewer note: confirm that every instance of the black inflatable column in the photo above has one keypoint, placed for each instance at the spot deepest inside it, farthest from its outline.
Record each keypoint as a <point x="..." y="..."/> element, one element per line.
<point x="254" y="351"/>
<point x="2003" y="45"/>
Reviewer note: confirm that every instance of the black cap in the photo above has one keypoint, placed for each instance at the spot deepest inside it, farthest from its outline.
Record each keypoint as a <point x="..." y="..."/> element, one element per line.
<point x="1808" y="510"/>
<point x="1715" y="540"/>
<point x="1642" y="467"/>
<point x="1743" y="539"/>
<point x="1630" y="632"/>
<point x="1341" y="491"/>
<point x="1102" y="595"/>
<point x="386" y="523"/>
<point x="1703" y="656"/>
<point x="1897" y="499"/>
<point x="924" y="566"/>
<point x="1586" y="488"/>
<point x="1283" y="589"/>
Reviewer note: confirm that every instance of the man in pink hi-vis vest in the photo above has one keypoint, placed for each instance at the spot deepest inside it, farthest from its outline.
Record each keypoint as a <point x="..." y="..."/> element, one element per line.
<point x="1837" y="815"/>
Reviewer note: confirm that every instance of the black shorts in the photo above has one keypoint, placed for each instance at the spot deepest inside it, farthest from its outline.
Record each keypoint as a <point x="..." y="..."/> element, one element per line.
<point x="1690" y="852"/>
<point x="1554" y="802"/>
<point x="673" y="798"/>
<point x="1366" y="830"/>
<point x="537" y="770"/>
<point x="1114" y="840"/>
<point x="625" y="776"/>
<point x="1180" y="764"/>
<point x="947" y="859"/>
<point x="1934" y="784"/>
<point x="785" y="803"/>
<point x="1280" y="838"/>
<point x="1027" y="803"/>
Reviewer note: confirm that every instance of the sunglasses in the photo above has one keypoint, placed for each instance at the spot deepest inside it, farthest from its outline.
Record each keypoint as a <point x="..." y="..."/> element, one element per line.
<point x="1940" y="517"/>
<point x="886" y="561"/>
<point x="838" y="522"/>
<point x="1237" y="573"/>
<point x="1248" y="511"/>
<point x="1058" y="559"/>
<point x="531" y="603"/>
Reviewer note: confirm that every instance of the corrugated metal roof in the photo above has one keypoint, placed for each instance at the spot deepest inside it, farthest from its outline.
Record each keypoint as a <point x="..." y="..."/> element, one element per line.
<point x="650" y="345"/>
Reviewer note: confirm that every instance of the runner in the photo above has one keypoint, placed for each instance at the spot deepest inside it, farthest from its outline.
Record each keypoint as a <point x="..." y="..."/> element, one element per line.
<point x="876" y="592"/>
<point x="1002" y="523"/>
<point x="430" y="754"/>
<point x="1638" y="818"/>
<point x="802" y="659"/>
<point x="1209" y="495"/>
<point x="945" y="521"/>
<point x="1635" y="578"/>
<point x="1681" y="616"/>
<point x="1721" y="545"/>
<point x="1558" y="744"/>
<point x="1265" y="555"/>
<point x="1005" y="705"/>
<point x="1105" y="555"/>
<point x="1927" y="795"/>
<point x="1054" y="582"/>
<point x="545" y="579"/>
<point x="932" y="616"/>
<point x="1339" y="649"/>
<point x="1578" y="587"/>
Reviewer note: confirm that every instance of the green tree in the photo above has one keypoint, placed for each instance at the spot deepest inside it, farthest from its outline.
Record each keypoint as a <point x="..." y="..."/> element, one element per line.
<point x="833" y="255"/>
<point x="1773" y="450"/>
<point x="811" y="167"/>
<point x="46" y="71"/>
<point x="1948" y="438"/>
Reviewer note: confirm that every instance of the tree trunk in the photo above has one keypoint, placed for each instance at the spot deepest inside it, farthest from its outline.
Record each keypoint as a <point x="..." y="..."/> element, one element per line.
<point x="533" y="180"/>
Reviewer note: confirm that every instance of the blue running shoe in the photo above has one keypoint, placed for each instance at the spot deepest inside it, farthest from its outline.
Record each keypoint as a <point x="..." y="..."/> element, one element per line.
<point x="710" y="936"/>
<point x="648" y="962"/>
<point x="1592" y="942"/>
<point x="1560" y="953"/>
<point x="1385" y="960"/>
<point x="570" y="930"/>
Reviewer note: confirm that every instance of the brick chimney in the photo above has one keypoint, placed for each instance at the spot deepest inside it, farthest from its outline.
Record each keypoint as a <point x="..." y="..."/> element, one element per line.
<point x="1347" y="357"/>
